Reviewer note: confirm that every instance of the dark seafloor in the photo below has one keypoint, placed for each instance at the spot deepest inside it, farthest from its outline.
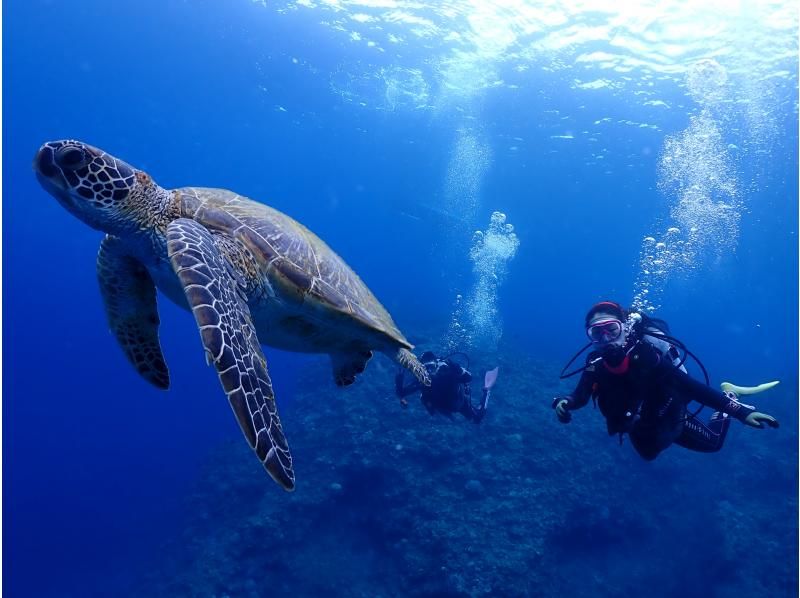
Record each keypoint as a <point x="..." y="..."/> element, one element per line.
<point x="393" y="502"/>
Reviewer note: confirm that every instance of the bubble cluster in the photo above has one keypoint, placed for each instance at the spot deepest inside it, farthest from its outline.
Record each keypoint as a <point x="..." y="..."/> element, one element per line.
<point x="697" y="171"/>
<point x="458" y="336"/>
<point x="706" y="80"/>
<point x="697" y="168"/>
<point x="406" y="88"/>
<point x="476" y="321"/>
<point x="469" y="162"/>
<point x="697" y="159"/>
<point x="660" y="258"/>
<point x="393" y="88"/>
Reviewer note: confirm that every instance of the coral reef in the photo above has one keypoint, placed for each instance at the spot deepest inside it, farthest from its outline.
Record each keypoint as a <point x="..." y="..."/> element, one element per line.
<point x="393" y="502"/>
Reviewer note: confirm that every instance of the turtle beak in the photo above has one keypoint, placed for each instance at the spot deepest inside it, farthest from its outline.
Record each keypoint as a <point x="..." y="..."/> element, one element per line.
<point x="44" y="162"/>
<point x="50" y="176"/>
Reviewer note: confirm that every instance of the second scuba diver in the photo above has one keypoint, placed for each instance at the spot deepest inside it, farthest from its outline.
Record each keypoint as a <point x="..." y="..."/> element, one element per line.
<point x="450" y="390"/>
<point x="637" y="378"/>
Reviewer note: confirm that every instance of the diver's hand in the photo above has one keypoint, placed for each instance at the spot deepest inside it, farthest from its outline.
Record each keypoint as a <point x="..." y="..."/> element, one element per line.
<point x="561" y="404"/>
<point x="761" y="420"/>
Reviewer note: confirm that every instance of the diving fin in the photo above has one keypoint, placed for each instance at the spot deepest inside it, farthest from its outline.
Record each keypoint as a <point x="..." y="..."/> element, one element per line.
<point x="490" y="378"/>
<point x="747" y="390"/>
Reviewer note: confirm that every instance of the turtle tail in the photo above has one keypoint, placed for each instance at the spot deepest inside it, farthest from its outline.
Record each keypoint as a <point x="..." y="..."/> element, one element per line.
<point x="409" y="361"/>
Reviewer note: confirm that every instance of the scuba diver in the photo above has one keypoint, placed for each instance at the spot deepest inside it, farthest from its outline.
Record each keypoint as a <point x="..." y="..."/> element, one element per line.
<point x="450" y="391"/>
<point x="636" y="375"/>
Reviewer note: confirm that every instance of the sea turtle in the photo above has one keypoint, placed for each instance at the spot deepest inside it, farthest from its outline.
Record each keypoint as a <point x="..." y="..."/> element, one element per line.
<point x="248" y="273"/>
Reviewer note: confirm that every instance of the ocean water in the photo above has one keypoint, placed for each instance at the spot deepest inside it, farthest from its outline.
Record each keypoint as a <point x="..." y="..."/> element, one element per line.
<point x="490" y="170"/>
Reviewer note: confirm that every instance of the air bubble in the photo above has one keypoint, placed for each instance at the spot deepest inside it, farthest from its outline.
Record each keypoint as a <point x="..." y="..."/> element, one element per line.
<point x="476" y="321"/>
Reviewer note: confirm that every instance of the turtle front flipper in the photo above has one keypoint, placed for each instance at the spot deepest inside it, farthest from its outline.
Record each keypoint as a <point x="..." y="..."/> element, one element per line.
<point x="129" y="294"/>
<point x="229" y="338"/>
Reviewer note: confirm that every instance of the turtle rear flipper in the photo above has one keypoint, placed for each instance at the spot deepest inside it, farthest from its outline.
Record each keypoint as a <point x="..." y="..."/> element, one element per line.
<point x="346" y="366"/>
<point x="229" y="338"/>
<point x="409" y="361"/>
<point x="129" y="295"/>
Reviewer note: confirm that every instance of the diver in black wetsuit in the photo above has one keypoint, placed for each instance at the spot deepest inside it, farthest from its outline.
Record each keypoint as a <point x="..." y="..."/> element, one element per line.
<point x="450" y="390"/>
<point x="638" y="380"/>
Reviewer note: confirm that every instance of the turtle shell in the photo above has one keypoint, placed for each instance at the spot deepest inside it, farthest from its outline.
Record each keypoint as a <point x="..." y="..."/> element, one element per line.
<point x="291" y="256"/>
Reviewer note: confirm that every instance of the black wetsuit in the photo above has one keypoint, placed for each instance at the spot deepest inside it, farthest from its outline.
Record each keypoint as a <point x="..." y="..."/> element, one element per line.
<point x="449" y="391"/>
<point x="648" y="401"/>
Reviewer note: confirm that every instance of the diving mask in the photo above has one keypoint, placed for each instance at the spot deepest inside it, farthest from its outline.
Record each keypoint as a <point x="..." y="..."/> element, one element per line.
<point x="605" y="331"/>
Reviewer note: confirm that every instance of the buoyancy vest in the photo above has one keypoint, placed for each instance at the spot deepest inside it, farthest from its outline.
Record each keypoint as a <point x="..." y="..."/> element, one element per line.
<point x="620" y="394"/>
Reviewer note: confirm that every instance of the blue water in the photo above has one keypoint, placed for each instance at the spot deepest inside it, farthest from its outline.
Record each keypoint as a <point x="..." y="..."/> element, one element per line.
<point x="348" y="117"/>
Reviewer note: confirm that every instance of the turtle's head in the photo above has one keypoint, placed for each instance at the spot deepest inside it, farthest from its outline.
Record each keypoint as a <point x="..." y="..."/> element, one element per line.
<point x="98" y="188"/>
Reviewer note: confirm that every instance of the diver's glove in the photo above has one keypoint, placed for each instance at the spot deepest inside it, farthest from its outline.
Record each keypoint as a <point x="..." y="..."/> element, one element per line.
<point x="561" y="405"/>
<point x="747" y="414"/>
<point x="757" y="419"/>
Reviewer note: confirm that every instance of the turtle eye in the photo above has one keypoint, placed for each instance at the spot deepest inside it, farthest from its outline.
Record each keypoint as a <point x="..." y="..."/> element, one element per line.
<point x="71" y="157"/>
